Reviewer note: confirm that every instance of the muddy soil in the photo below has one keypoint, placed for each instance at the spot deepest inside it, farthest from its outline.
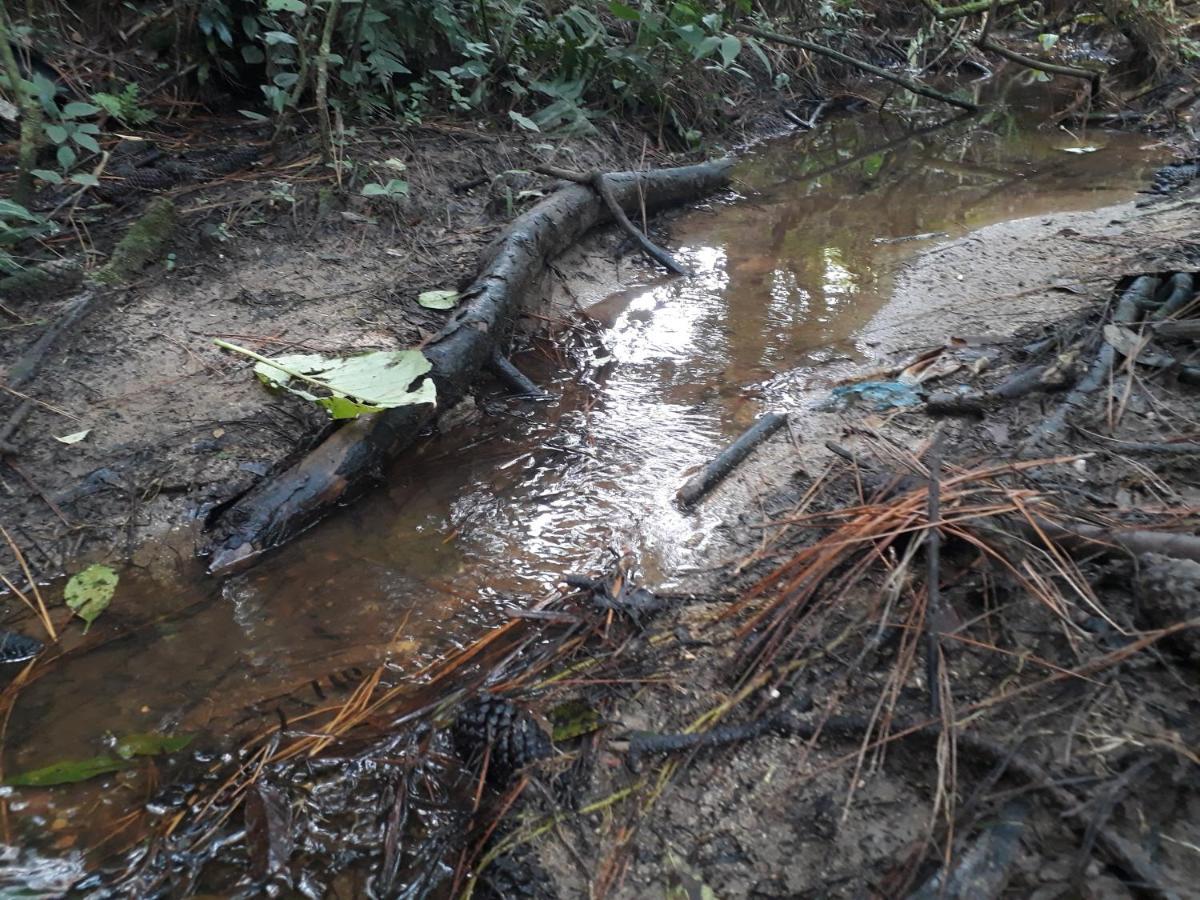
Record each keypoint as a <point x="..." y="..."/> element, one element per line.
<point x="184" y="428"/>
<point x="781" y="815"/>
<point x="273" y="259"/>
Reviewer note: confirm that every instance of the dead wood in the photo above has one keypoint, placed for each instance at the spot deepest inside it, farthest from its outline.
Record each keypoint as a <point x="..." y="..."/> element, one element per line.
<point x="715" y="472"/>
<point x="1127" y="312"/>
<point x="907" y="83"/>
<point x="983" y="871"/>
<point x="31" y="360"/>
<point x="598" y="181"/>
<point x="514" y="378"/>
<point x="339" y="468"/>
<point x="1188" y="329"/>
<point x="1182" y="291"/>
<point x="1092" y="78"/>
<point x="986" y="43"/>
<point x="1082" y="537"/>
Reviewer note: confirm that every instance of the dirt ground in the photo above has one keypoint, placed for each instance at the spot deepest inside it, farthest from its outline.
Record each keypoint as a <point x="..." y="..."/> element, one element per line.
<point x="781" y="815"/>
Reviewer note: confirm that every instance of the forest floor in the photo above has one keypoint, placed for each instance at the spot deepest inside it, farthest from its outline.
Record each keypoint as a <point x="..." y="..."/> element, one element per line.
<point x="270" y="258"/>
<point x="1066" y="683"/>
<point x="1072" y="718"/>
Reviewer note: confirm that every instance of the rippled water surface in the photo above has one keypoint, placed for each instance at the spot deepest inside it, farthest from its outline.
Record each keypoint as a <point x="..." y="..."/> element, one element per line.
<point x="497" y="510"/>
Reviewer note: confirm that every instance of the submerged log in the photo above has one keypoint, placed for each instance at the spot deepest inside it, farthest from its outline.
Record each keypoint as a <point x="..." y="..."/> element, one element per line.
<point x="339" y="468"/>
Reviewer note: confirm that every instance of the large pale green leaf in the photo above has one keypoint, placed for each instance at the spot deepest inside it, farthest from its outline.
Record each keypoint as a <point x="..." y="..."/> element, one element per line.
<point x="359" y="384"/>
<point x="439" y="299"/>
<point x="89" y="592"/>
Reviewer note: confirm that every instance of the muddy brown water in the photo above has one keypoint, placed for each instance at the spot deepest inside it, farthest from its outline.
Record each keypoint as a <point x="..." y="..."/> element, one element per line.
<point x="789" y="274"/>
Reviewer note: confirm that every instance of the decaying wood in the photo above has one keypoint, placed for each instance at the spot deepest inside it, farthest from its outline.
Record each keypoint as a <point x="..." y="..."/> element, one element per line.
<point x="31" y="360"/>
<point x="1127" y="312"/>
<point x="715" y="472"/>
<point x="1091" y="77"/>
<point x="517" y="380"/>
<point x="983" y="871"/>
<point x="985" y="42"/>
<point x="820" y="49"/>
<point x="1188" y="329"/>
<point x="1079" y="536"/>
<point x="284" y="505"/>
<point x="598" y="181"/>
<point x="1182" y="291"/>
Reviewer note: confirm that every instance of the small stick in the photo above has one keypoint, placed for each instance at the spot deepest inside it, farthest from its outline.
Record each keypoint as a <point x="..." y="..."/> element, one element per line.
<point x="934" y="613"/>
<point x="599" y="183"/>
<point x="711" y="475"/>
<point x="517" y="380"/>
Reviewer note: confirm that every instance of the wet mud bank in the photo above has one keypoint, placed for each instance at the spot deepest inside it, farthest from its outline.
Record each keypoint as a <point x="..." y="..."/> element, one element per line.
<point x="346" y="656"/>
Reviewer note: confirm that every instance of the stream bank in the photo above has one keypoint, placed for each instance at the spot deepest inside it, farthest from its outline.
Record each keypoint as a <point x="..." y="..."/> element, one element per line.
<point x="652" y="380"/>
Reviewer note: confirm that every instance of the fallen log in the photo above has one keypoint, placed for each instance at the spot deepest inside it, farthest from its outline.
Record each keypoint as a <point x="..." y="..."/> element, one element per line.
<point x="907" y="83"/>
<point x="598" y="182"/>
<point x="284" y="505"/>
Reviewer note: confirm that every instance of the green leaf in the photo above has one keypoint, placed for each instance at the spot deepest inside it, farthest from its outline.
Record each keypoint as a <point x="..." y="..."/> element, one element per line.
<point x="292" y="6"/>
<point x="278" y="37"/>
<point x="151" y="744"/>
<point x="524" y="121"/>
<point x="12" y="210"/>
<point x="705" y="47"/>
<point x="74" y="437"/>
<point x="66" y="156"/>
<point x="89" y="592"/>
<point x="76" y="770"/>
<point x="359" y="384"/>
<point x="253" y="116"/>
<point x="77" y="109"/>
<point x="573" y="718"/>
<point x="621" y="11"/>
<point x="439" y="299"/>
<point x="394" y="188"/>
<point x="68" y="772"/>
<point x="56" y="133"/>
<point x="87" y="142"/>
<point x="1047" y="40"/>
<point x="47" y="175"/>
<point x="730" y="48"/>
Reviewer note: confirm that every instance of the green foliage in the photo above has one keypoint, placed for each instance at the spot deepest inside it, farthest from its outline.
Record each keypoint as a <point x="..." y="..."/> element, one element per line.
<point x="551" y="69"/>
<point x="16" y="224"/>
<point x="124" y="106"/>
<point x="350" y="386"/>
<point x="124" y="751"/>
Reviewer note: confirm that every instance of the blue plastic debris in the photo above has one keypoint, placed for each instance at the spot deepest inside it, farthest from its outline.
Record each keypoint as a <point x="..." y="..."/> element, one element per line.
<point x="876" y="395"/>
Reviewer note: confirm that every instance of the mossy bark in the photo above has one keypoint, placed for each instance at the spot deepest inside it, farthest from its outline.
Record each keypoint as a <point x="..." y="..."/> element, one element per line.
<point x="142" y="244"/>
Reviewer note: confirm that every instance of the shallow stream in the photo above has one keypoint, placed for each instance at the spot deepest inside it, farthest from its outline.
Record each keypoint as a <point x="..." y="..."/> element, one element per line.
<point x="789" y="274"/>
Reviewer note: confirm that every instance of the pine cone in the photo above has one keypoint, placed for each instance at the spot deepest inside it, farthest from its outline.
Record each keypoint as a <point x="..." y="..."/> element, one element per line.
<point x="515" y="739"/>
